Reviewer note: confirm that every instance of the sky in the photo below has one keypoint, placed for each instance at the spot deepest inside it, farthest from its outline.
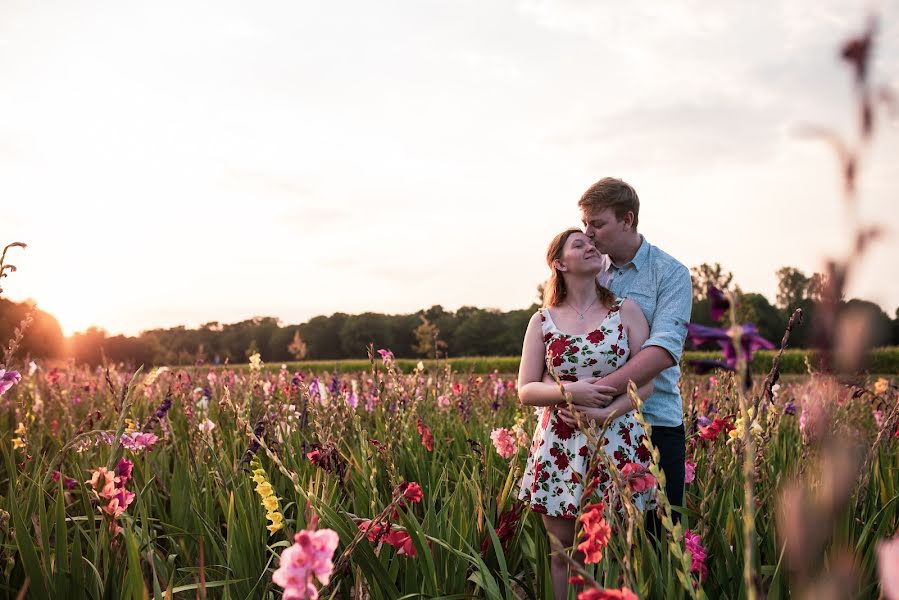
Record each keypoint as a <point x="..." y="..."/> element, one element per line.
<point x="175" y="163"/>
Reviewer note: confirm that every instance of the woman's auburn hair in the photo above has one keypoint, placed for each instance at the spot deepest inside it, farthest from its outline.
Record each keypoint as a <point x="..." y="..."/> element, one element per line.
<point x="555" y="291"/>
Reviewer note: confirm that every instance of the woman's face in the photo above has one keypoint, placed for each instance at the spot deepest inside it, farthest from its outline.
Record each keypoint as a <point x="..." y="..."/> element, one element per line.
<point x="579" y="255"/>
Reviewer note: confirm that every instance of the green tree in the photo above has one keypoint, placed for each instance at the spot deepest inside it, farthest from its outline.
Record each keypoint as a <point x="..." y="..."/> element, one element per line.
<point x="359" y="331"/>
<point x="705" y="275"/>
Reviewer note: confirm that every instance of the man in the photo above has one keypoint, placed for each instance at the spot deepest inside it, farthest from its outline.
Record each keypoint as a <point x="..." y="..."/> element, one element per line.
<point x="661" y="287"/>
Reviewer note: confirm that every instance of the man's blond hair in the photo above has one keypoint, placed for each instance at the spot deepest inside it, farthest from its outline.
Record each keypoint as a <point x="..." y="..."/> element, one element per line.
<point x="613" y="193"/>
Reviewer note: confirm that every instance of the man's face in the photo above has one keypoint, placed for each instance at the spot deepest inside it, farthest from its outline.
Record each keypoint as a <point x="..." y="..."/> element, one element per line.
<point x="604" y="228"/>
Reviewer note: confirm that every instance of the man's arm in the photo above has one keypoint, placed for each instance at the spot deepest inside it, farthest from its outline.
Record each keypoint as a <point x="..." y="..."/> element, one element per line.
<point x="667" y="334"/>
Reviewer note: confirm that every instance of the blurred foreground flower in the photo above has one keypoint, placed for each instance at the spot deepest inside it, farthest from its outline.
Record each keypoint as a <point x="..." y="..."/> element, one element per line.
<point x="8" y="379"/>
<point x="881" y="386"/>
<point x="309" y="558"/>
<point x="888" y="565"/>
<point x="750" y="341"/>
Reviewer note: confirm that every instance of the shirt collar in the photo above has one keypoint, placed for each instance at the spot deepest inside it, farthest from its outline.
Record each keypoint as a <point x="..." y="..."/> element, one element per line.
<point x="639" y="259"/>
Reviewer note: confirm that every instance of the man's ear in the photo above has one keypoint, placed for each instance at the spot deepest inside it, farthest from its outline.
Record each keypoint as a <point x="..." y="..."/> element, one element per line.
<point x="628" y="219"/>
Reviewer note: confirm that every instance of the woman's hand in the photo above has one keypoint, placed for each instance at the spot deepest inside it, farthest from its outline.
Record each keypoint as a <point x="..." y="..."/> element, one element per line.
<point x="587" y="393"/>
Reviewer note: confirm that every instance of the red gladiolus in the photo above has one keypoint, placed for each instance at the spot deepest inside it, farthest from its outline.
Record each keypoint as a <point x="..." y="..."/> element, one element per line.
<point x="607" y="594"/>
<point x="596" y="532"/>
<point x="427" y="440"/>
<point x="710" y="432"/>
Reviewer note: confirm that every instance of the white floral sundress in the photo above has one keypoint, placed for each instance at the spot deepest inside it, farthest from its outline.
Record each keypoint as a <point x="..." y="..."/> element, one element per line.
<point x="557" y="460"/>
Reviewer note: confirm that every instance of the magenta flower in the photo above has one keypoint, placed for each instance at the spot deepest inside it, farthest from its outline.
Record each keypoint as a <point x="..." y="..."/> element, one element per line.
<point x="67" y="482"/>
<point x="308" y="558"/>
<point x="123" y="470"/>
<point x="697" y="554"/>
<point x="8" y="379"/>
<point x="718" y="303"/>
<point x="504" y="442"/>
<point x="138" y="441"/>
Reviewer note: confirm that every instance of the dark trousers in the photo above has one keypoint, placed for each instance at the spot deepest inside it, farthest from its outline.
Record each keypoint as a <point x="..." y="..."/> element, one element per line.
<point x="672" y="445"/>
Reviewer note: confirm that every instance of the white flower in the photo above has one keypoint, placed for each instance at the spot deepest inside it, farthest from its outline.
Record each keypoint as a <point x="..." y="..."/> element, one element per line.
<point x="206" y="427"/>
<point x="32" y="367"/>
<point x="256" y="362"/>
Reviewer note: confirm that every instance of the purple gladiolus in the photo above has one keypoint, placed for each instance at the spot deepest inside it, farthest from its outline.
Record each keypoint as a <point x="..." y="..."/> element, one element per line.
<point x="718" y="303"/>
<point x="789" y="408"/>
<point x="8" y="379"/>
<point x="750" y="341"/>
<point x="703" y="421"/>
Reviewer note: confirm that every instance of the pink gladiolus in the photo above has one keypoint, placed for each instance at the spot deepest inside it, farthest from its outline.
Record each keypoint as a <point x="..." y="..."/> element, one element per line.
<point x="888" y="566"/>
<point x="503" y="442"/>
<point x="689" y="472"/>
<point x="443" y="401"/>
<point x="697" y="554"/>
<point x="8" y="379"/>
<point x="638" y="477"/>
<point x="138" y="441"/>
<point x="104" y="482"/>
<point x="308" y="558"/>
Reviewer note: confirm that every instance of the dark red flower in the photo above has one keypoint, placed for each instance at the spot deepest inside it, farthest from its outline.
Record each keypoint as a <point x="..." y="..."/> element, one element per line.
<point x="595" y="337"/>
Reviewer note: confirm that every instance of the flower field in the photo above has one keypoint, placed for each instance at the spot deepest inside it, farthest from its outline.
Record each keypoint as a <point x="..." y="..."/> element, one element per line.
<point x="193" y="483"/>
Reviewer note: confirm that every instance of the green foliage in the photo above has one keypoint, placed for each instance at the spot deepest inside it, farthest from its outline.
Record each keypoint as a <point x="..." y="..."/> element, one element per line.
<point x="195" y="497"/>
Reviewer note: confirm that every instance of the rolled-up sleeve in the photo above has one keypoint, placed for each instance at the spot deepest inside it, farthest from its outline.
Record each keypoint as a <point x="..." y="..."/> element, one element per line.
<point x="673" y="306"/>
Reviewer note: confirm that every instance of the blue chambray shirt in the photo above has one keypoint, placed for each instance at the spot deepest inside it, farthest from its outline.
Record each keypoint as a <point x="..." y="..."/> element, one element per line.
<point x="661" y="287"/>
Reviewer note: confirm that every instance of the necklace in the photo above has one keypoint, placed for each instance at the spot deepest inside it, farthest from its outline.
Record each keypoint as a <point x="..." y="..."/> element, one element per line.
<point x="580" y="315"/>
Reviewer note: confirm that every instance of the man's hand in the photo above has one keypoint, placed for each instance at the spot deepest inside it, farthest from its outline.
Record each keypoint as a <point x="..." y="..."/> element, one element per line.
<point x="586" y="414"/>
<point x="586" y="392"/>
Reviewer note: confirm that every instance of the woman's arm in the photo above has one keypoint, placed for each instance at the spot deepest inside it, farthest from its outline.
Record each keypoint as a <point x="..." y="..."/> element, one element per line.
<point x="532" y="391"/>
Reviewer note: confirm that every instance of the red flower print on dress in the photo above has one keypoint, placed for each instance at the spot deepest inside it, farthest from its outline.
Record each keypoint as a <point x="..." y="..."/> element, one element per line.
<point x="595" y="337"/>
<point x="562" y="431"/>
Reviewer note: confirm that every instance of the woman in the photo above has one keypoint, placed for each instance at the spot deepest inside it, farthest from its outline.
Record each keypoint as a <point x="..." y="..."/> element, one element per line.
<point x="581" y="334"/>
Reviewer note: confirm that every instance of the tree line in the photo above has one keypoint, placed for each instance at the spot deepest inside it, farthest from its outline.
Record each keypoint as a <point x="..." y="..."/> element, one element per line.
<point x="468" y="331"/>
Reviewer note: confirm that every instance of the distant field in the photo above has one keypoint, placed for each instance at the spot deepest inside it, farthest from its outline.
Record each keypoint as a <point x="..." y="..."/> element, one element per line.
<point x="883" y="361"/>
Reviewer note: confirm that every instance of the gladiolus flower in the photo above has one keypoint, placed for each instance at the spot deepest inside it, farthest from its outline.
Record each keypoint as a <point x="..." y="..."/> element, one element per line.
<point x="138" y="441"/>
<point x="8" y="379"/>
<point x="750" y="340"/>
<point x="427" y="440"/>
<point x="689" y="472"/>
<point x="880" y="386"/>
<point x="638" y="477"/>
<point x="596" y="532"/>
<point x="711" y="432"/>
<point x="309" y="557"/>
<point x="697" y="554"/>
<point x="410" y="490"/>
<point x="206" y="427"/>
<point x="718" y="303"/>
<point x="607" y="594"/>
<point x="503" y="442"/>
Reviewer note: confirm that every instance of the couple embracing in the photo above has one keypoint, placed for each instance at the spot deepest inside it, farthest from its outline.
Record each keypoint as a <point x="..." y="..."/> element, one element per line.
<point x="615" y="309"/>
